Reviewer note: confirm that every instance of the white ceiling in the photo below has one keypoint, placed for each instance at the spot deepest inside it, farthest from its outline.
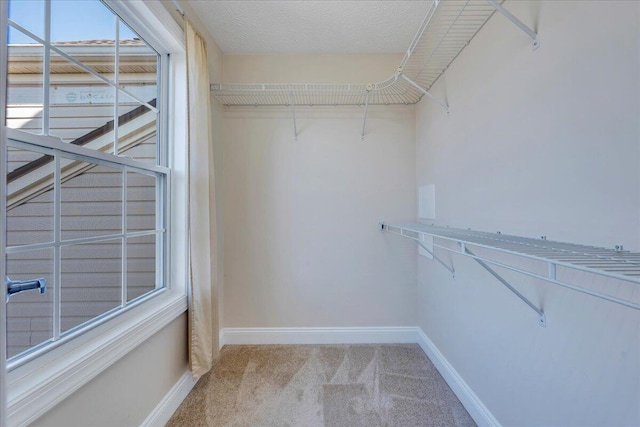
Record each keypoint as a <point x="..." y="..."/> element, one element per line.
<point x="311" y="26"/>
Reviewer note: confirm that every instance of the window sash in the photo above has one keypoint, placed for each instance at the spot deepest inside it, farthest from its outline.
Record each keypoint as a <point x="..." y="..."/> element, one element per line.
<point x="52" y="146"/>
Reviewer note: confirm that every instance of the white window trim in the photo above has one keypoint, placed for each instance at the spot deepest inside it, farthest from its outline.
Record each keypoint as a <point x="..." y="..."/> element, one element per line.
<point x="39" y="385"/>
<point x="3" y="200"/>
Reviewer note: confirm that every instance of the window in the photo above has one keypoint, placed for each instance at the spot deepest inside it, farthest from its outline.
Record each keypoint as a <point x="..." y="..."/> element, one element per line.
<point x="96" y="189"/>
<point x="86" y="175"/>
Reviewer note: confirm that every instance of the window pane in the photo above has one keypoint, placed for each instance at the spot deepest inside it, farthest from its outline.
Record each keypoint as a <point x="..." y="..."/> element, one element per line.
<point x="73" y="21"/>
<point x="91" y="281"/>
<point x="24" y="84"/>
<point x="141" y="266"/>
<point x="29" y="15"/>
<point x="138" y="76"/>
<point x="138" y="62"/>
<point x="30" y="314"/>
<point x="29" y="197"/>
<point x="91" y="198"/>
<point x="81" y="105"/>
<point x="93" y="46"/>
<point x="137" y="129"/>
<point x="141" y="202"/>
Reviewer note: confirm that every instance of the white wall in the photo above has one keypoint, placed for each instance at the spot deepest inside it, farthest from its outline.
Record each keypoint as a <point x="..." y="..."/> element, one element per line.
<point x="301" y="246"/>
<point x="542" y="142"/>
<point x="368" y="68"/>
<point x="127" y="392"/>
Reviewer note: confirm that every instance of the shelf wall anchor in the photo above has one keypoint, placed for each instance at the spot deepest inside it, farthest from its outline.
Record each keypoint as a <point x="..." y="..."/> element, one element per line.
<point x="423" y="90"/>
<point x="293" y="112"/>
<point x="542" y="320"/>
<point x="519" y="23"/>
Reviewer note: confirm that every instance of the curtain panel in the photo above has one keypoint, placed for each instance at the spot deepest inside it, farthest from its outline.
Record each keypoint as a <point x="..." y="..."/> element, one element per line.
<point x="203" y="328"/>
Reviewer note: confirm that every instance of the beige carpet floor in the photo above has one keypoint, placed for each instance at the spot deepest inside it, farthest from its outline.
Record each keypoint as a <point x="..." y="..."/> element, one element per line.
<point x="328" y="385"/>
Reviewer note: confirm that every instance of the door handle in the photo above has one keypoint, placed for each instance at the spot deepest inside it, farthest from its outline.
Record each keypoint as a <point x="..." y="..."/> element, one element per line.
<point x="17" y="286"/>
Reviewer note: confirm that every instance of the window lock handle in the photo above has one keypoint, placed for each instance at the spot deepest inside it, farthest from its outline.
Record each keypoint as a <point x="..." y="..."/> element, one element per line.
<point x="17" y="286"/>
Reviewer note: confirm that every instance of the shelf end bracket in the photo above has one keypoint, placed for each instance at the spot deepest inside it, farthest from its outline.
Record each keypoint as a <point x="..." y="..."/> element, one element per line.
<point x="534" y="36"/>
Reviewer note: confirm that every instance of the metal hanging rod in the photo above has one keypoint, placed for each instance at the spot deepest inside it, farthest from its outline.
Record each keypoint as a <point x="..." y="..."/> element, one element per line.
<point x="613" y="263"/>
<point x="448" y="27"/>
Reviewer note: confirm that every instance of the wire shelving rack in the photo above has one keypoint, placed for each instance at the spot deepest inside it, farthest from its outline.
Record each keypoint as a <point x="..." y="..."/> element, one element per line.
<point x="614" y="263"/>
<point x="447" y="28"/>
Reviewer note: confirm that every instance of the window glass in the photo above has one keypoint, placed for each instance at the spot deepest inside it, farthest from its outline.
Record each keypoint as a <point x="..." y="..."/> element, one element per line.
<point x="91" y="281"/>
<point x="137" y="136"/>
<point x="141" y="266"/>
<point x="95" y="192"/>
<point x="29" y="218"/>
<point x="80" y="105"/>
<point x="141" y="202"/>
<point x="30" y="16"/>
<point x="24" y="83"/>
<point x="81" y="21"/>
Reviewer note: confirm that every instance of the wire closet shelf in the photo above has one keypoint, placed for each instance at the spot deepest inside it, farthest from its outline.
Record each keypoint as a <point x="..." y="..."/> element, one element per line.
<point x="447" y="28"/>
<point x="613" y="263"/>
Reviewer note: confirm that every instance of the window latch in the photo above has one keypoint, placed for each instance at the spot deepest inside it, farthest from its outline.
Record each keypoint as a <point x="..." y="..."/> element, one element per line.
<point x="17" y="286"/>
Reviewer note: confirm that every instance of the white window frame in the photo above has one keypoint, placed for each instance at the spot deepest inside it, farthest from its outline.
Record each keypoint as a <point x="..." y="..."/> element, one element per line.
<point x="39" y="385"/>
<point x="3" y="201"/>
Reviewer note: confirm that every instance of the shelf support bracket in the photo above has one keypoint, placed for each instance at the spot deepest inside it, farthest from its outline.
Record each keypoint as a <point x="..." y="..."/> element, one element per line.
<point x="542" y="321"/>
<point x="423" y="90"/>
<point x="366" y="109"/>
<point x="293" y="112"/>
<point x="430" y="252"/>
<point x="534" y="36"/>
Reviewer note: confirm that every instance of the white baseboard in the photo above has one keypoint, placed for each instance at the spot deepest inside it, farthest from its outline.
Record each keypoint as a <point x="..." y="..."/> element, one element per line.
<point x="372" y="335"/>
<point x="168" y="405"/>
<point x="472" y="403"/>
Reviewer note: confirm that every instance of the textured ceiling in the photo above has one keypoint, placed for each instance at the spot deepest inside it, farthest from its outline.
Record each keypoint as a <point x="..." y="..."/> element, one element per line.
<point x="311" y="27"/>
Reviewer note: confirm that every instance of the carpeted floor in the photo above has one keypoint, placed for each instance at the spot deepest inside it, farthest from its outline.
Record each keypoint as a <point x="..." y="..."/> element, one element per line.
<point x="328" y="385"/>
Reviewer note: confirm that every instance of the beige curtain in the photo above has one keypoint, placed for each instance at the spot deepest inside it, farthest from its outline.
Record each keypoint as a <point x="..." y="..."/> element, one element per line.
<point x="203" y="325"/>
